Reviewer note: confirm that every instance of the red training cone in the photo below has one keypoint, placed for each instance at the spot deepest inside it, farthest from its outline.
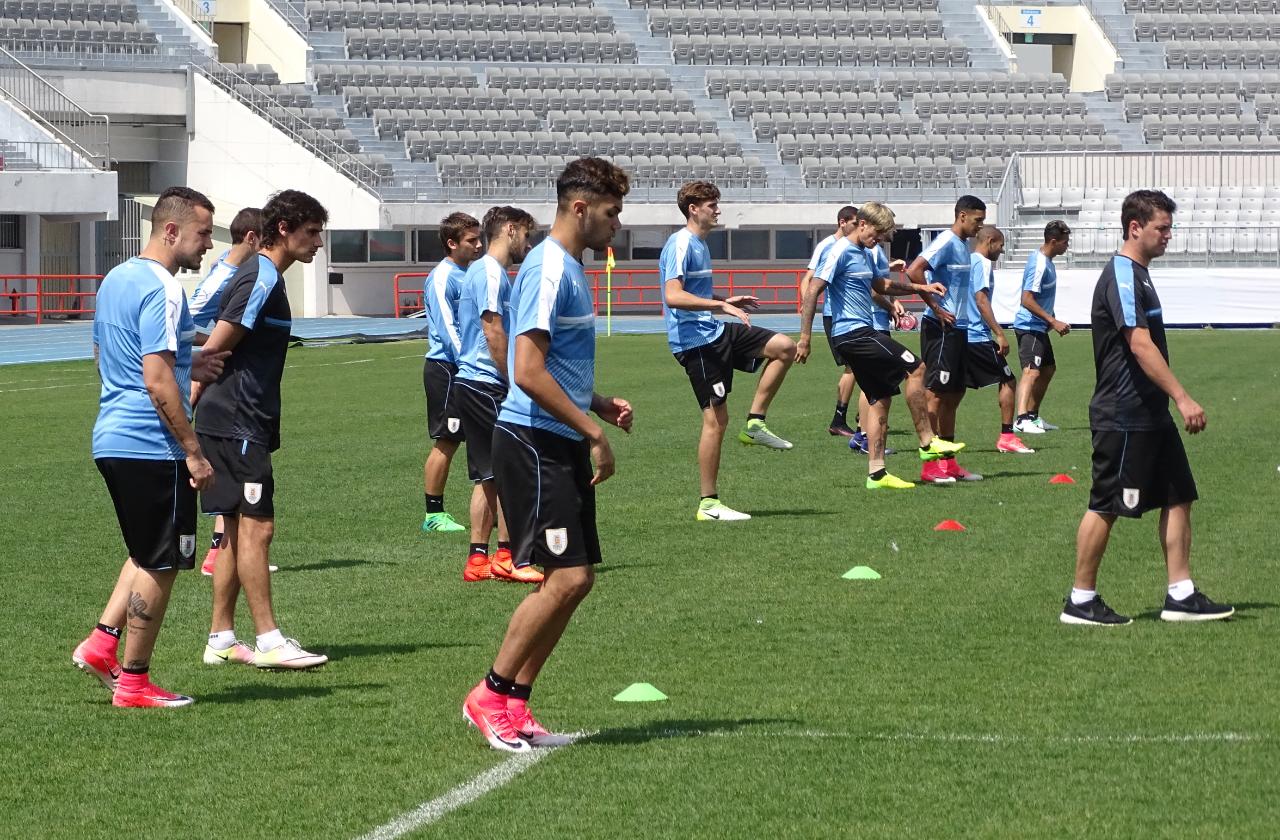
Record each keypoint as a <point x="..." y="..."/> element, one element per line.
<point x="948" y="525"/>
<point x="1062" y="478"/>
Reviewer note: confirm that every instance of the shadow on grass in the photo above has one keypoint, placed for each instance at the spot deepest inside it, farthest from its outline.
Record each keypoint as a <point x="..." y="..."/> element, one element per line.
<point x="252" y="692"/>
<point x="668" y="729"/>
<point x="765" y="514"/>
<point x="1016" y="473"/>
<point x="322" y="565"/>
<point x="386" y="648"/>
<point x="625" y="567"/>
<point x="1243" y="612"/>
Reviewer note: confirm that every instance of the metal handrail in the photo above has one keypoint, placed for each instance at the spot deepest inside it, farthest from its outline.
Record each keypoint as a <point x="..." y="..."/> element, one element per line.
<point x="294" y="14"/>
<point x="85" y="133"/>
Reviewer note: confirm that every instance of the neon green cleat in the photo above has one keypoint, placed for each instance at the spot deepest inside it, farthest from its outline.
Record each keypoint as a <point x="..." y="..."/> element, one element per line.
<point x="889" y="482"/>
<point x="939" y="447"/>
<point x="441" y="522"/>
<point x="757" y="434"/>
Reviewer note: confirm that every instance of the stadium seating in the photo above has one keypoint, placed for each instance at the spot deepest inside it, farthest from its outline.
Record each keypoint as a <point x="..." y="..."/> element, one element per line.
<point x="1182" y="110"/>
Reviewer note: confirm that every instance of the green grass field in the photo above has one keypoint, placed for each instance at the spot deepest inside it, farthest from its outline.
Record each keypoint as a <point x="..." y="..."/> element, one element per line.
<point x="943" y="700"/>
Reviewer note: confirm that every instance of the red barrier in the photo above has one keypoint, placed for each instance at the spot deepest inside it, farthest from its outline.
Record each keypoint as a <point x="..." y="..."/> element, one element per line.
<point x="44" y="300"/>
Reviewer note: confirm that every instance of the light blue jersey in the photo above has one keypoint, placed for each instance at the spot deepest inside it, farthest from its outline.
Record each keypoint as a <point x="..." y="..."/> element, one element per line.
<point x="141" y="309"/>
<point x="981" y="274"/>
<point x="205" y="299"/>
<point x="848" y="270"/>
<point x="815" y="261"/>
<point x="551" y="295"/>
<point x="948" y="258"/>
<point x="685" y="258"/>
<point x="486" y="288"/>
<point x="879" y="316"/>
<point x="440" y="298"/>
<point x="1041" y="279"/>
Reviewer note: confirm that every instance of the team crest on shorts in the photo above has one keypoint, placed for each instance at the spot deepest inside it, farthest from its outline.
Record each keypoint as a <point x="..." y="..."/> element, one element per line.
<point x="1038" y="360"/>
<point x="454" y="424"/>
<point x="907" y="357"/>
<point x="718" y="389"/>
<point x="557" y="540"/>
<point x="252" y="493"/>
<point x="1007" y="372"/>
<point x="187" y="544"/>
<point x="944" y="376"/>
<point x="1131" y="497"/>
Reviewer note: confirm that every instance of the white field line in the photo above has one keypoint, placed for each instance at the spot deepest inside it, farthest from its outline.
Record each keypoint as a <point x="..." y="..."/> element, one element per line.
<point x="329" y="364"/>
<point x="46" y="387"/>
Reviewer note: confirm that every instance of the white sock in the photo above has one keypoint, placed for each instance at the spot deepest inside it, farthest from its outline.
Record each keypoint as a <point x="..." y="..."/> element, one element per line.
<point x="1181" y="590"/>
<point x="270" y="641"/>
<point x="222" y="640"/>
<point x="1082" y="596"/>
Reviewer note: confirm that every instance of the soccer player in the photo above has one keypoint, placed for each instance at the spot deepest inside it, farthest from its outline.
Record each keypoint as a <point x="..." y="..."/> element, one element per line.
<point x="460" y="236"/>
<point x="481" y="384"/>
<point x="544" y="444"/>
<point x="988" y="348"/>
<point x="852" y="271"/>
<point x="943" y="331"/>
<point x="1139" y="463"/>
<point x="239" y="428"/>
<point x="143" y="443"/>
<point x="846" y="218"/>
<point x="246" y="235"/>
<point x="1032" y="324"/>
<point x="710" y="350"/>
<point x="887" y="312"/>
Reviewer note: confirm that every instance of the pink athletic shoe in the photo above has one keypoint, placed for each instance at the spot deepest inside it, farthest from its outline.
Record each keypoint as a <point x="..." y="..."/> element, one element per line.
<point x="487" y="712"/>
<point x="530" y="730"/>
<point x="150" y="696"/>
<point x="958" y="472"/>
<point x="1012" y="443"/>
<point x="97" y="662"/>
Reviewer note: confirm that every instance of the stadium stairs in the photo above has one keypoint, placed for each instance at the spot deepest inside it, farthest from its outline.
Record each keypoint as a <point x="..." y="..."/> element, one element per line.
<point x="961" y="19"/>
<point x="1117" y="24"/>
<point x="172" y="32"/>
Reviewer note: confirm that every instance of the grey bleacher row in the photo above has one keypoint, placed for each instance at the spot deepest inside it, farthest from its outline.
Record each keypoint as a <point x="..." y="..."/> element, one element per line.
<point x="538" y="170"/>
<point x="884" y="171"/>
<point x="1138" y="105"/>
<point x="268" y="95"/>
<point x="395" y="122"/>
<point x="254" y="74"/>
<point x="985" y="172"/>
<point x="981" y="104"/>
<point x="901" y="83"/>
<point x="829" y="51"/>
<point x="432" y="16"/>
<point x="1247" y="85"/>
<point x="805" y="24"/>
<point x="1267" y="106"/>
<point x="366" y="99"/>
<point x="1201" y="27"/>
<point x="68" y="10"/>
<point x="475" y="45"/>
<point x="1214" y="55"/>
<point x="1202" y="6"/>
<point x="332" y="78"/>
<point x="578" y="78"/>
<point x="77" y="35"/>
<point x="336" y="14"/>
<point x="745" y="103"/>
<point x="429" y="144"/>
<point x="952" y="147"/>
<point x="787" y="5"/>
<point x="1232" y="129"/>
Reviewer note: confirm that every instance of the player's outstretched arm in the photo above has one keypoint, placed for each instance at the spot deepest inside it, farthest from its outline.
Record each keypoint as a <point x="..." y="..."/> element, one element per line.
<point x="678" y="298"/>
<point x="900" y="288"/>
<point x="1158" y="371"/>
<point x="929" y="292"/>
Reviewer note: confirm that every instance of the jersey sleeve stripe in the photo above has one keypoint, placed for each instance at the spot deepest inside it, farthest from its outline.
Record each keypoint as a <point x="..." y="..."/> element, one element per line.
<point x="493" y="286"/>
<point x="440" y="285"/>
<point x="1124" y="287"/>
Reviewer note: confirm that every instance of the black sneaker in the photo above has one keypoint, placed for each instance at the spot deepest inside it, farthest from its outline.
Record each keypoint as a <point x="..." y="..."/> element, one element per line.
<point x="1094" y="611"/>
<point x="1194" y="607"/>
<point x="840" y="430"/>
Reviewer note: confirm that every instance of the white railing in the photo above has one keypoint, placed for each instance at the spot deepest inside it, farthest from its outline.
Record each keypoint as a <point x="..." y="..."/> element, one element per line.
<point x="78" y="131"/>
<point x="1148" y="169"/>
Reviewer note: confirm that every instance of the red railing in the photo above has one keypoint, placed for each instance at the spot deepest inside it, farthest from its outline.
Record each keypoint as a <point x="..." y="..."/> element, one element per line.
<point x="47" y="294"/>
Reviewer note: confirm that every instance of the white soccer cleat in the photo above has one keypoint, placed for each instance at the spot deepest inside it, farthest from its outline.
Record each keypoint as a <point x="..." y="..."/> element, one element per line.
<point x="1027" y="427"/>
<point x="713" y="510"/>
<point x="288" y="655"/>
<point x="757" y="434"/>
<point x="1045" y="425"/>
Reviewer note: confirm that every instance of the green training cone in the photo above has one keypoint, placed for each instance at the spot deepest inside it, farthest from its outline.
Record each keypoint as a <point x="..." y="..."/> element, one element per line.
<point x="639" y="693"/>
<point x="861" y="573"/>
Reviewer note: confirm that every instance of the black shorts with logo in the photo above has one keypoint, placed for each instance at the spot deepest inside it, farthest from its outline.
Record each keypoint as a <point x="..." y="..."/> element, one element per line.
<point x="443" y="422"/>
<point x="156" y="508"/>
<point x="945" y="351"/>
<point x="1034" y="349"/>
<point x="985" y="366"/>
<point x="1134" y="472"/>
<point x="711" y="366"/>
<point x="544" y="485"/>
<point x="826" y="328"/>
<point x="242" y="478"/>
<point x="477" y="404"/>
<point x="878" y="362"/>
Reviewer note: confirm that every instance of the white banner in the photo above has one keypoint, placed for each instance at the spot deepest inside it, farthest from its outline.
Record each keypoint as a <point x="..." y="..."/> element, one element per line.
<point x="1188" y="296"/>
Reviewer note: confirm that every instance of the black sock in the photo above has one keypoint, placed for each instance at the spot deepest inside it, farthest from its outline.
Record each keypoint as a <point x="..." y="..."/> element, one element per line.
<point x="715" y="496"/>
<point x="136" y="670"/>
<point x="480" y="548"/>
<point x="110" y="631"/>
<point x="943" y="438"/>
<point x="842" y="414"/>
<point x="520" y="692"/>
<point x="1006" y="428"/>
<point x="435" y="504"/>
<point x="504" y="545"/>
<point x="499" y="685"/>
<point x="878" y="474"/>
<point x="216" y="542"/>
<point x="751" y="417"/>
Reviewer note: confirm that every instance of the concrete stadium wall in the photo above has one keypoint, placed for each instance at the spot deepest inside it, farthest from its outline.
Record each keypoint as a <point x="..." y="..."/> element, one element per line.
<point x="1094" y="56"/>
<point x="269" y="39"/>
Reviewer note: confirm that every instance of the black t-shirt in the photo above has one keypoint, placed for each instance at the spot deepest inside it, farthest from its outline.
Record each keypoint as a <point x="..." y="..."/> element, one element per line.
<point x="1125" y="399"/>
<point x="244" y="404"/>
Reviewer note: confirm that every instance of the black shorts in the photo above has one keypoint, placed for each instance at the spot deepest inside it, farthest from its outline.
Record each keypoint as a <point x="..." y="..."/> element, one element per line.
<point x="156" y="508"/>
<point x="878" y="362"/>
<point x="945" y="351"/>
<point x="443" y="422"/>
<point x="826" y="328"/>
<point x="711" y="366"/>
<point x="242" y="478"/>
<point x="477" y="404"/>
<point x="1034" y="349"/>
<point x="1134" y="472"/>
<point x="544" y="485"/>
<point x="985" y="366"/>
